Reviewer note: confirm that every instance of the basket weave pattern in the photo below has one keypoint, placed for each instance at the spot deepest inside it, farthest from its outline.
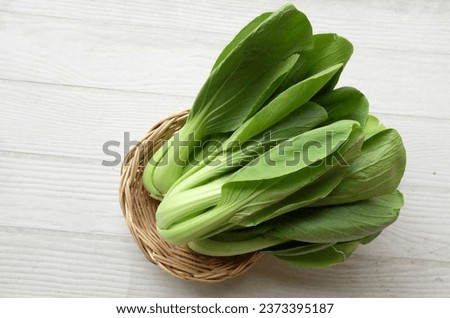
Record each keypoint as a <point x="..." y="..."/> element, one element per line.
<point x="139" y="211"/>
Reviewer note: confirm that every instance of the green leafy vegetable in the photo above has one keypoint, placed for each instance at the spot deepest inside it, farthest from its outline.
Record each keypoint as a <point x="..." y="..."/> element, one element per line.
<point x="341" y="223"/>
<point x="328" y="49"/>
<point x="237" y="87"/>
<point x="274" y="158"/>
<point x="329" y="256"/>
<point x="377" y="170"/>
<point x="260" y="182"/>
<point x="345" y="103"/>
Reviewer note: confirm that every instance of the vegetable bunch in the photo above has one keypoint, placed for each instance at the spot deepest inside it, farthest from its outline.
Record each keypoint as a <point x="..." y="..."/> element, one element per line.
<point x="273" y="157"/>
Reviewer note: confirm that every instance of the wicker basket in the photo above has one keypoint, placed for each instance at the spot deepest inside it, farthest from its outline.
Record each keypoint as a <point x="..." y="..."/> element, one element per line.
<point x="139" y="211"/>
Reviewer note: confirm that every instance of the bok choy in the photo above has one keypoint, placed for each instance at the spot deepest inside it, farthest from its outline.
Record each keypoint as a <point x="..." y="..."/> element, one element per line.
<point x="274" y="158"/>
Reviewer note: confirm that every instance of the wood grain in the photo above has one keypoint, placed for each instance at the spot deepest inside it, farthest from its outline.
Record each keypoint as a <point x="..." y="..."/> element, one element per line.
<point x="177" y="62"/>
<point x="366" y="22"/>
<point x="74" y="121"/>
<point x="76" y="74"/>
<point x="42" y="263"/>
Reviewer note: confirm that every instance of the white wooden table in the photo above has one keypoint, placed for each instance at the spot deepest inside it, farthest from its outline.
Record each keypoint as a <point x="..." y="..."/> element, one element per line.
<point x="75" y="74"/>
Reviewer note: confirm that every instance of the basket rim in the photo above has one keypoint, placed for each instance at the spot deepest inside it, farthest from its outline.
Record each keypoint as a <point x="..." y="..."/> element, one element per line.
<point x="138" y="209"/>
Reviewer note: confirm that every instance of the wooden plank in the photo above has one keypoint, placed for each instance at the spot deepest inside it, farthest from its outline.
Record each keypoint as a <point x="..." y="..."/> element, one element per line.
<point x="65" y="195"/>
<point x="57" y="264"/>
<point x="177" y="62"/>
<point x="377" y="24"/>
<point x="132" y="58"/>
<point x="76" y="122"/>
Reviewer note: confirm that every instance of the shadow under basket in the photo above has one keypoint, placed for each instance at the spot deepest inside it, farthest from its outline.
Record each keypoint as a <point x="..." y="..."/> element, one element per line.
<point x="139" y="211"/>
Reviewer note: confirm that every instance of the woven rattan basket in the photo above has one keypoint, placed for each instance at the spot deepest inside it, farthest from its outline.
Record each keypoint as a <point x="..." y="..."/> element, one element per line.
<point x="139" y="211"/>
